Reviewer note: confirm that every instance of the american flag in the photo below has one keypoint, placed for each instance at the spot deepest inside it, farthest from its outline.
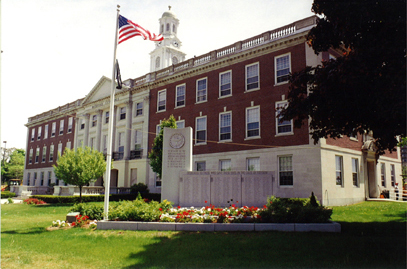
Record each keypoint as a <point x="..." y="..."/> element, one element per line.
<point x="129" y="29"/>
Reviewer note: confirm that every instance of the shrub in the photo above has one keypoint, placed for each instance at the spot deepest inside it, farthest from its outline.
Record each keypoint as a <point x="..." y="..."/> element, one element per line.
<point x="95" y="198"/>
<point x="295" y="210"/>
<point x="94" y="212"/>
<point x="7" y="194"/>
<point x="139" y="188"/>
<point x="33" y="201"/>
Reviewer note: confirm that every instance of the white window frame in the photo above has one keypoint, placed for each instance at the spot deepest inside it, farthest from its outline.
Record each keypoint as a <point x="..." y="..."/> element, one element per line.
<point x="339" y="180"/>
<point x="278" y="106"/>
<point x="286" y="169"/>
<point x="32" y="134"/>
<point x="197" y="165"/>
<point x="247" y="77"/>
<point x="39" y="133"/>
<point x="205" y="131"/>
<point x="107" y="116"/>
<point x="70" y="124"/>
<point x="247" y="123"/>
<point x="180" y="124"/>
<point x="30" y="156"/>
<point x="220" y="126"/>
<point x="61" y="127"/>
<point x="383" y="174"/>
<point x="46" y="131"/>
<point x="51" y="153"/>
<point x="220" y="84"/>
<point x="158" y="181"/>
<point x="139" y="109"/>
<point x="94" y="120"/>
<point x="276" y="77"/>
<point x="183" y="96"/>
<point x="37" y="155"/>
<point x="253" y="164"/>
<point x="355" y="172"/>
<point x="393" y="175"/>
<point x="53" y="129"/>
<point x="164" y="100"/>
<point x="44" y="153"/>
<point x="205" y="90"/>
<point x="122" y="114"/>
<point x="225" y="162"/>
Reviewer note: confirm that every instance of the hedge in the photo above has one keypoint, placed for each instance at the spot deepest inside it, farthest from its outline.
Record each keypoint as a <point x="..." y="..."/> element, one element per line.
<point x="7" y="194"/>
<point x="51" y="199"/>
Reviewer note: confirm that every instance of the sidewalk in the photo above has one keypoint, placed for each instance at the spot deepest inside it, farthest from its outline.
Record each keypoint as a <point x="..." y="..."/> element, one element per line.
<point x="16" y="201"/>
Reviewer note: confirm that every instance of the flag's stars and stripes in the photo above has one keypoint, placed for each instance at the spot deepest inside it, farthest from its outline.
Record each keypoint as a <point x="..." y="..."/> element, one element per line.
<point x="129" y="29"/>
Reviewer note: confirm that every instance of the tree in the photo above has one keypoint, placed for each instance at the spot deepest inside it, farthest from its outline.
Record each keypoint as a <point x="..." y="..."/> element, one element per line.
<point x="12" y="164"/>
<point x="156" y="153"/>
<point x="364" y="89"/>
<point x="80" y="167"/>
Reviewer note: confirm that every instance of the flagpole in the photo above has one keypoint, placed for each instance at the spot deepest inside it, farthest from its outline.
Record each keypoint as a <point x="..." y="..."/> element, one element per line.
<point x="111" y="120"/>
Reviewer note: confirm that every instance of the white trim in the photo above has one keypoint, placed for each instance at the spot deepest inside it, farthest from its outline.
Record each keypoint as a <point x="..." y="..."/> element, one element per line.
<point x="277" y="106"/>
<point x="220" y="85"/>
<point x="275" y="68"/>
<point x="206" y="91"/>
<point x="176" y="94"/>
<point x="158" y="100"/>
<point x="258" y="77"/>
<point x="246" y="131"/>
<point x="230" y="139"/>
<point x="196" y="130"/>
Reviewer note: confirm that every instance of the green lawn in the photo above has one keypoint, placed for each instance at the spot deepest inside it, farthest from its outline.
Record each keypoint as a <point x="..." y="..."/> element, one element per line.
<point x="373" y="236"/>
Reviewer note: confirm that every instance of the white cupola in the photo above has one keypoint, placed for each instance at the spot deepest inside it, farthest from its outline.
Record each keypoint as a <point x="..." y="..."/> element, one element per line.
<point x="167" y="52"/>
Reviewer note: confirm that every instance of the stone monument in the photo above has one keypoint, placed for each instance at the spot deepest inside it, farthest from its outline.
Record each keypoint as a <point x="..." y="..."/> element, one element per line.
<point x="177" y="157"/>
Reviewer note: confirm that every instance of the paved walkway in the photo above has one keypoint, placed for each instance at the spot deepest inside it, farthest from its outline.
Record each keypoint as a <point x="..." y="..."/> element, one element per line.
<point x="16" y="201"/>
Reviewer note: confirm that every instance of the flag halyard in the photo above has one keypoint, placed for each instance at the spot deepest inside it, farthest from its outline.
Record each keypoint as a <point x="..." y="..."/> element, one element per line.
<point x="129" y="29"/>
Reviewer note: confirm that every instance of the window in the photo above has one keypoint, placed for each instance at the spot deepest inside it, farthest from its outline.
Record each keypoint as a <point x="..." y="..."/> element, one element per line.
<point x="107" y="117"/>
<point x="157" y="181"/>
<point x="200" y="130"/>
<point x="92" y="143"/>
<point x="162" y="28"/>
<point x="383" y="174"/>
<point x="253" y="122"/>
<point x="82" y="124"/>
<point x="53" y="129"/>
<point x="282" y="126"/>
<point x="44" y="153"/>
<point x="252" y="77"/>
<point x="39" y="133"/>
<point x="355" y="172"/>
<point x="392" y="175"/>
<point x="225" y="83"/>
<point x="162" y="100"/>
<point x="56" y="181"/>
<point x="201" y="93"/>
<point x="42" y="179"/>
<point x="68" y="145"/>
<point x="157" y="62"/>
<point x="339" y="170"/>
<point x="49" y="178"/>
<point x="121" y="145"/>
<point x="173" y="28"/>
<point x="59" y="149"/>
<point x="158" y="129"/>
<point x="167" y="28"/>
<point x="28" y="179"/>
<point x="180" y="96"/>
<point x="30" y="158"/>
<point x="200" y="166"/>
<point x="180" y="124"/>
<point x="104" y="144"/>
<point x="70" y="124"/>
<point x="225" y="126"/>
<point x="61" y="127"/>
<point x="282" y="66"/>
<point x="35" y="177"/>
<point x="139" y="139"/>
<point x="139" y="109"/>
<point x="94" y="120"/>
<point x="32" y="134"/>
<point x="51" y="153"/>
<point x="253" y="164"/>
<point x="285" y="170"/>
<point x="225" y="165"/>
<point x="122" y="113"/>
<point x="37" y="155"/>
<point x="46" y="131"/>
<point x="175" y="59"/>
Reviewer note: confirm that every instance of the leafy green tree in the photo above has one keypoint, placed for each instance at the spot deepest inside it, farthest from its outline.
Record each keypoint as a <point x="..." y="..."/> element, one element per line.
<point x="80" y="167"/>
<point x="364" y="89"/>
<point x="156" y="153"/>
<point x="12" y="163"/>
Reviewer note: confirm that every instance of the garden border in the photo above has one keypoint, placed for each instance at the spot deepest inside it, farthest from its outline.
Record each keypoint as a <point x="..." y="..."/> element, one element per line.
<point x="332" y="227"/>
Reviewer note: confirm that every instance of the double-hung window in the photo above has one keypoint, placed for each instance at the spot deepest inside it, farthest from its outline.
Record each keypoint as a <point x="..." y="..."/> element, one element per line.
<point x="44" y="153"/>
<point x="180" y="124"/>
<point x="94" y="120"/>
<point x="225" y="126"/>
<point x="201" y="90"/>
<point x="200" y="166"/>
<point x="70" y="124"/>
<point x="225" y="165"/>
<point x="252" y="122"/>
<point x="39" y="133"/>
<point x="355" y="172"/>
<point x="162" y="100"/>
<point x="282" y="126"/>
<point x="252" y="77"/>
<point x="393" y="175"/>
<point x="139" y="109"/>
<point x="53" y="129"/>
<point x="200" y="135"/>
<point x="106" y="117"/>
<point x="32" y="134"/>
<point x="339" y="170"/>
<point x="30" y="157"/>
<point x="283" y="68"/>
<point x="37" y="155"/>
<point x="180" y="96"/>
<point x="51" y="153"/>
<point x="383" y="174"/>
<point x="122" y="113"/>
<point x="285" y="170"/>
<point x="121" y="145"/>
<point x="253" y="164"/>
<point x="46" y="131"/>
<point x="225" y="83"/>
<point x="61" y="127"/>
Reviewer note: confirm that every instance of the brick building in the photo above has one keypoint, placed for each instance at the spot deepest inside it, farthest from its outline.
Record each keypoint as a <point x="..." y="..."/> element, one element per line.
<point x="231" y="98"/>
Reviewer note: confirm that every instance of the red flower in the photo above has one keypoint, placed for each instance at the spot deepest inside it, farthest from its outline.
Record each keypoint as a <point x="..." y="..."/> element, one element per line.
<point x="178" y="207"/>
<point x="73" y="223"/>
<point x="237" y="201"/>
<point x="206" y="202"/>
<point x="160" y="209"/>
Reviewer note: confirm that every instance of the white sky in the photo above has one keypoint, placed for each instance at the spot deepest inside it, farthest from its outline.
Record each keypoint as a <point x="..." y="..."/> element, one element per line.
<point x="55" y="51"/>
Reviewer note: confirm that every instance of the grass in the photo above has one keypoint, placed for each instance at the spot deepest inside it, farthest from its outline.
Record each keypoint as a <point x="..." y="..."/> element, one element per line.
<point x="373" y="236"/>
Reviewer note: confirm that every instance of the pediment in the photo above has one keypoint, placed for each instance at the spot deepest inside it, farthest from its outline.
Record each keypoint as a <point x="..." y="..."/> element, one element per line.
<point x="101" y="90"/>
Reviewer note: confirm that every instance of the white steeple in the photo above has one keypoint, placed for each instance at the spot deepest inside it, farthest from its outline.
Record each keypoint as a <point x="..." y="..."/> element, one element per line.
<point x="167" y="52"/>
